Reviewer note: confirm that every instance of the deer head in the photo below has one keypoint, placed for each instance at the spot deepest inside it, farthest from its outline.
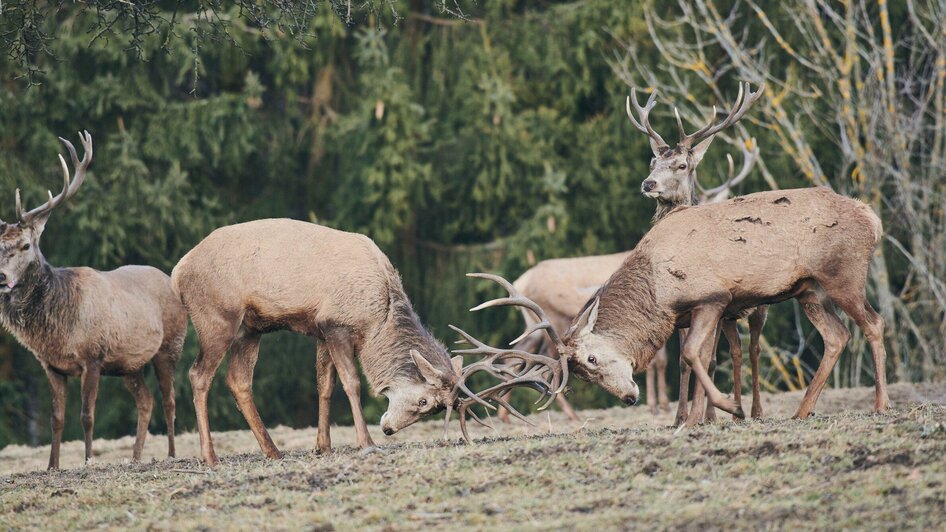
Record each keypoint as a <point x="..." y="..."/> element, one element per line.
<point x="410" y="401"/>
<point x="672" y="178"/>
<point x="19" y="241"/>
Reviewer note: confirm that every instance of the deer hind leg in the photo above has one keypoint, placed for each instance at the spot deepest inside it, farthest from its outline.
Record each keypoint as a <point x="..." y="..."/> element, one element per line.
<point x="710" y="362"/>
<point x="756" y="322"/>
<point x="144" y="402"/>
<point x="698" y="347"/>
<point x="735" y="350"/>
<point x="660" y="364"/>
<point x="343" y="356"/>
<point x="215" y="337"/>
<point x="325" y="381"/>
<point x="853" y="302"/>
<point x="822" y="315"/>
<point x="91" y="375"/>
<point x="164" y="363"/>
<point x="683" y="398"/>
<point x="57" y="418"/>
<point x="243" y="356"/>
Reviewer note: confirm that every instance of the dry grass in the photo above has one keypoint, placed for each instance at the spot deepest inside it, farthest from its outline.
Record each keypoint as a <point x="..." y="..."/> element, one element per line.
<point x="845" y="467"/>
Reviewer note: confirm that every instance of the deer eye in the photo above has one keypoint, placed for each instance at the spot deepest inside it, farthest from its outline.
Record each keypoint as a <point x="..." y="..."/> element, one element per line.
<point x="422" y="403"/>
<point x="25" y="247"/>
<point x="682" y="167"/>
<point x="592" y="359"/>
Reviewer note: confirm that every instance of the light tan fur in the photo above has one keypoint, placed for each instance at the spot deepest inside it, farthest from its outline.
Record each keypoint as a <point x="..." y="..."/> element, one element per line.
<point x="702" y="264"/>
<point x="248" y="279"/>
<point x="81" y="322"/>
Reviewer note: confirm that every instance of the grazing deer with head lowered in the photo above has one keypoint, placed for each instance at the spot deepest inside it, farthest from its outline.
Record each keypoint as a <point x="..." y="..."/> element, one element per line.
<point x="673" y="183"/>
<point x="245" y="280"/>
<point x="562" y="287"/>
<point x="705" y="263"/>
<point x="85" y="323"/>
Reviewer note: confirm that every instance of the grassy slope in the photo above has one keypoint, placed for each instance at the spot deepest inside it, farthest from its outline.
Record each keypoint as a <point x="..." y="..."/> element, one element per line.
<point x="845" y="467"/>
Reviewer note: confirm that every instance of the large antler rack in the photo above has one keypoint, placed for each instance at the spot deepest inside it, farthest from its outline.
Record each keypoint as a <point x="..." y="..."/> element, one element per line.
<point x="512" y="367"/>
<point x="744" y="100"/>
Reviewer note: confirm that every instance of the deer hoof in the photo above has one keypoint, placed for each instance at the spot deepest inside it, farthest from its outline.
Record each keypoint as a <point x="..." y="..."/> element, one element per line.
<point x="739" y="414"/>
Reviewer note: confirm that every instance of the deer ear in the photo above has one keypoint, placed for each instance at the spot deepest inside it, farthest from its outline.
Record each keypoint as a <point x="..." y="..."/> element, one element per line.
<point x="586" y="321"/>
<point x="430" y="374"/>
<point x="457" y="363"/>
<point x="700" y="150"/>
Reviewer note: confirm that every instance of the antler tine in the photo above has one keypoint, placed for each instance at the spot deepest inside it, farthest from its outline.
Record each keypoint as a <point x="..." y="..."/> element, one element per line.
<point x="644" y="114"/>
<point x="750" y="156"/>
<point x="744" y="100"/>
<point x="517" y="299"/>
<point x="69" y="186"/>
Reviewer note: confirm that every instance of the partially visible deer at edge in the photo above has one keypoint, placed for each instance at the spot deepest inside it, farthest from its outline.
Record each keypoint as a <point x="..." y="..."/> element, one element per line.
<point x="673" y="183"/>
<point x="81" y="322"/>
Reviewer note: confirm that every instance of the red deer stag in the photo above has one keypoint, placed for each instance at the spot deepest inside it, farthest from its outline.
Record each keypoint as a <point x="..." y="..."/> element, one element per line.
<point x="704" y="263"/>
<point x="85" y="323"/>
<point x="245" y="280"/>
<point x="562" y="287"/>
<point x="673" y="183"/>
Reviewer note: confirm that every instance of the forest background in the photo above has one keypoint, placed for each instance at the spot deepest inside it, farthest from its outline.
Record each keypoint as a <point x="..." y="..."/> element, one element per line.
<point x="467" y="136"/>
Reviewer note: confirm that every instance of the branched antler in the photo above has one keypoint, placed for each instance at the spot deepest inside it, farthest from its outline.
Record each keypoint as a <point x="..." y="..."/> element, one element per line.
<point x="512" y="367"/>
<point x="69" y="187"/>
<point x="744" y="101"/>
<point x="750" y="153"/>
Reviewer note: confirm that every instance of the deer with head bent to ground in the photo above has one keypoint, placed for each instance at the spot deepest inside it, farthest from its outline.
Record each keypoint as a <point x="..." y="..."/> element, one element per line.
<point x="245" y="280"/>
<point x="673" y="183"/>
<point x="705" y="263"/>
<point x="561" y="287"/>
<point x="85" y="323"/>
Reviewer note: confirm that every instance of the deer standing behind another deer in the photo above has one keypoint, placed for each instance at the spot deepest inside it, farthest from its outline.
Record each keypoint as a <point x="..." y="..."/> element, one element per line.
<point x="245" y="280"/>
<point x="81" y="322"/>
<point x="672" y="183"/>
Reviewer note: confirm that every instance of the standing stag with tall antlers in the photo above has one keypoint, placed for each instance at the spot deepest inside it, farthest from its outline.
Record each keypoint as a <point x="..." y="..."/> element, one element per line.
<point x="81" y="322"/>
<point x="673" y="183"/>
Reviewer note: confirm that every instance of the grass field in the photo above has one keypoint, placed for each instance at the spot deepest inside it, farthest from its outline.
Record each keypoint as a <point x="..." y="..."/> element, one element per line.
<point x="620" y="468"/>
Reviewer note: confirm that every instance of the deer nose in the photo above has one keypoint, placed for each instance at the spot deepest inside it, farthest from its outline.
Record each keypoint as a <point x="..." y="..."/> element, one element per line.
<point x="387" y="431"/>
<point x="648" y="185"/>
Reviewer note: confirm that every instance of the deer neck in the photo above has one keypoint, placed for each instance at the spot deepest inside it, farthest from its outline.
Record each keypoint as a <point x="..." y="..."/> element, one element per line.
<point x="385" y="352"/>
<point x="686" y="198"/>
<point x="41" y="305"/>
<point x="629" y="313"/>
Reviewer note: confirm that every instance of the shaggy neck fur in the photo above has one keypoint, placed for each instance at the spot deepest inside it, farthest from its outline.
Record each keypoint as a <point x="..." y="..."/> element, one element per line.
<point x="628" y="313"/>
<point x="386" y="353"/>
<point x="42" y="306"/>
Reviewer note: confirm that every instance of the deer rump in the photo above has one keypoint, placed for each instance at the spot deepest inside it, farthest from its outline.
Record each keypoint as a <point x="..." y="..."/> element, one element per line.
<point x="757" y="249"/>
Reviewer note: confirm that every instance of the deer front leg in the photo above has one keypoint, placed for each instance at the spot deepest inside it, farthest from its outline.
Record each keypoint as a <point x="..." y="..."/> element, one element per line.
<point x="144" y="402"/>
<point x="57" y="418"/>
<point x="343" y="356"/>
<point x="700" y="340"/>
<point x="91" y="374"/>
<point x="325" y="381"/>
